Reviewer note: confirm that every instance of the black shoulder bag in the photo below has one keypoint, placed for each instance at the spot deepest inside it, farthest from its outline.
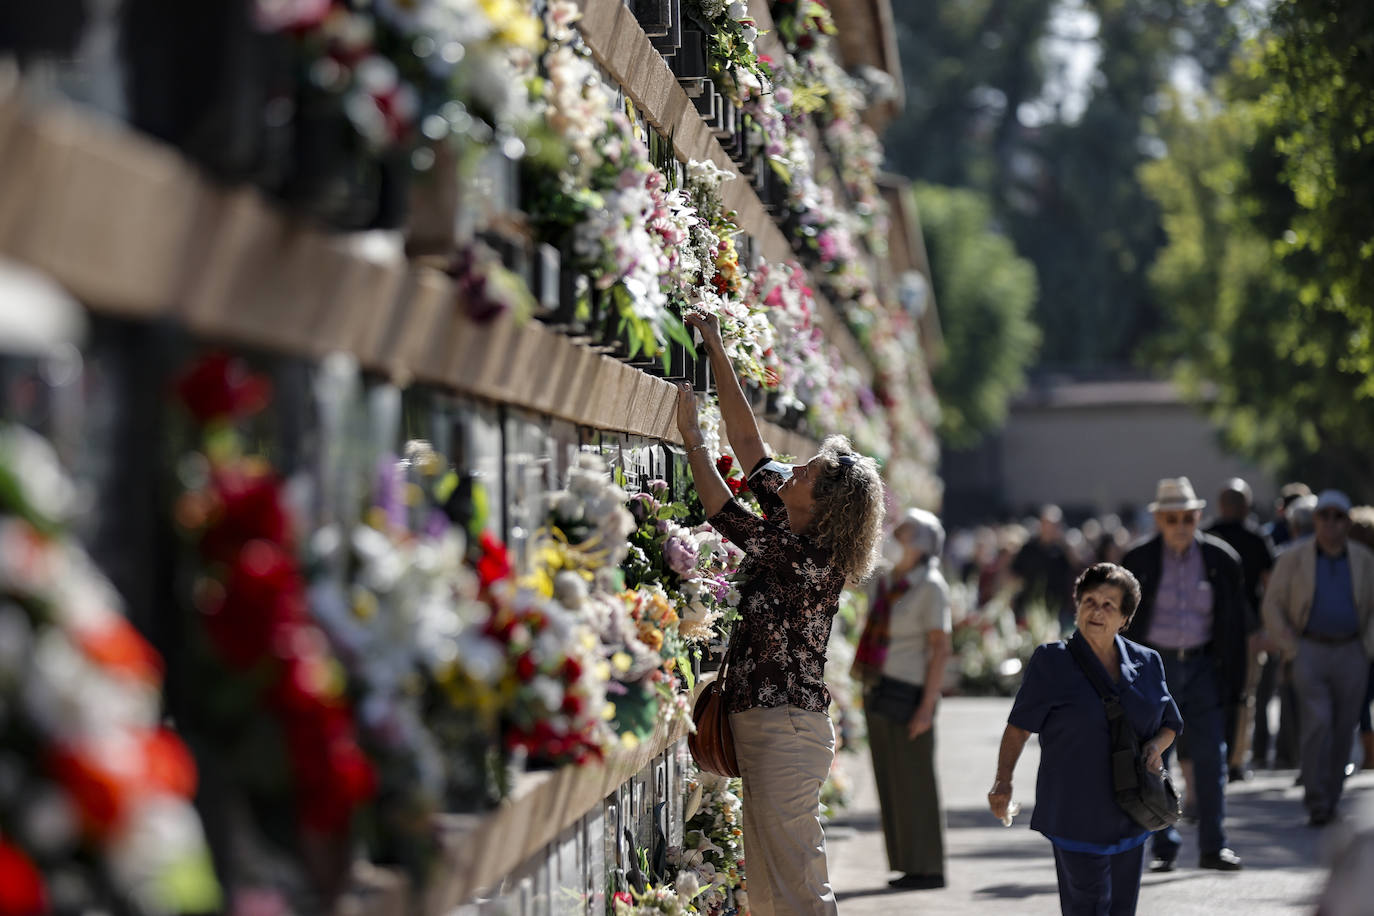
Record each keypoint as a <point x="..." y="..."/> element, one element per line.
<point x="1149" y="798"/>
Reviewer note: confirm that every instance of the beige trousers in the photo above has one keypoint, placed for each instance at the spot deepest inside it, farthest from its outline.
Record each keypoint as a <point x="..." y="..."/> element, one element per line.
<point x="784" y="758"/>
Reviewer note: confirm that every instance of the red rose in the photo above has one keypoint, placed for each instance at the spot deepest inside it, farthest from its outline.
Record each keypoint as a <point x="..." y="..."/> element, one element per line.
<point x="220" y="387"/>
<point x="249" y="507"/>
<point x="572" y="670"/>
<point x="724" y="464"/>
<point x="525" y="668"/>
<point x="737" y="485"/>
<point x="494" y="564"/>
<point x="302" y="691"/>
<point x="22" y="892"/>
<point x="263" y="597"/>
<point x="573" y="705"/>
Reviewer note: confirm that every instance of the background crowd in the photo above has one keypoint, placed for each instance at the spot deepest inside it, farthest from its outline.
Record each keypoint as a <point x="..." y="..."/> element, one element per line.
<point x="1011" y="590"/>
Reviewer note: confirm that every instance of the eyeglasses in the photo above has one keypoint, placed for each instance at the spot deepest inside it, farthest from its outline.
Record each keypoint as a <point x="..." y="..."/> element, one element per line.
<point x="1178" y="518"/>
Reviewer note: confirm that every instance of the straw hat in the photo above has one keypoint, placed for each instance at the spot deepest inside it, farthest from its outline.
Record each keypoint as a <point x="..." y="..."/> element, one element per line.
<point x="1175" y="494"/>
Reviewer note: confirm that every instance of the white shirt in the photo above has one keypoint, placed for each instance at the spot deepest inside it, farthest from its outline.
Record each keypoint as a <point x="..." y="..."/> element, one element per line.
<point x="923" y="608"/>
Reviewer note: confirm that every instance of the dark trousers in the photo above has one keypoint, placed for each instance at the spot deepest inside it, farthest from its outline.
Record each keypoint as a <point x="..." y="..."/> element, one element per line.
<point x="1276" y="678"/>
<point x="908" y="795"/>
<point x="1091" y="884"/>
<point x="1196" y="687"/>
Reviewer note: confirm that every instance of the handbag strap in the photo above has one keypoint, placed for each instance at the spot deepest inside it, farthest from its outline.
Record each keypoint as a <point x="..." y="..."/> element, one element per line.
<point x="1078" y="646"/>
<point x="725" y="661"/>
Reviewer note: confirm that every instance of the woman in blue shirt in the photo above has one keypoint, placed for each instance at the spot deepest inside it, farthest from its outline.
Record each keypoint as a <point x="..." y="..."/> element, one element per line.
<point x="1098" y="848"/>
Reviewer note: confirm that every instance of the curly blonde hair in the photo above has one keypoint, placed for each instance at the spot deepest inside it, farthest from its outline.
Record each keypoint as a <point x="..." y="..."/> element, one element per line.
<point x="848" y="507"/>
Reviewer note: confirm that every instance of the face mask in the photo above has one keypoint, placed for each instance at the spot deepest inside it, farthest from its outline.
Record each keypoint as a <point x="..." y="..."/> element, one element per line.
<point x="893" y="551"/>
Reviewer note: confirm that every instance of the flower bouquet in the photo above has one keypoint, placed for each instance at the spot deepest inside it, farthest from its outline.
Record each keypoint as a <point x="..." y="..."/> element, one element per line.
<point x="299" y="768"/>
<point x="95" y="812"/>
<point x="711" y="857"/>
<point x="595" y="194"/>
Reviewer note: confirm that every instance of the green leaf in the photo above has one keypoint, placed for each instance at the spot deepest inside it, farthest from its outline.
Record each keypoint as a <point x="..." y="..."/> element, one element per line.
<point x="677" y="331"/>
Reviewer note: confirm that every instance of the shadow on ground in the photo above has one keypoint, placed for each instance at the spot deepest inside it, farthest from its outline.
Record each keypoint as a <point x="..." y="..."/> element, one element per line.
<point x="883" y="891"/>
<point x="1017" y="891"/>
<point x="980" y="818"/>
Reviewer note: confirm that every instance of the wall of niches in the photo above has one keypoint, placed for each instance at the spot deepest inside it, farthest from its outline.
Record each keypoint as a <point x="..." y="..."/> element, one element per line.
<point x="108" y="413"/>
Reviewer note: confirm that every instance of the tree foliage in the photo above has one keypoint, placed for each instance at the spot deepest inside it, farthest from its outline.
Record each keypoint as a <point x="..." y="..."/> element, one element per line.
<point x="1266" y="201"/>
<point x="985" y="293"/>
<point x="983" y="111"/>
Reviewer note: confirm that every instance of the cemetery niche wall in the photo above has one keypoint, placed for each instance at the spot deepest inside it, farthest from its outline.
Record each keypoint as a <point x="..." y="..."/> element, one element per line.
<point x="344" y="507"/>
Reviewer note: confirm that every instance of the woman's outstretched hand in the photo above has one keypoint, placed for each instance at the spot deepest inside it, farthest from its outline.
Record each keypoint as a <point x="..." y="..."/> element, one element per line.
<point x="708" y="325"/>
<point x="687" y="423"/>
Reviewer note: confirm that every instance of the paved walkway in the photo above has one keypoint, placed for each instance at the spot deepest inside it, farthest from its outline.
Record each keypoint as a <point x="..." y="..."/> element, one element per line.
<point x="998" y="870"/>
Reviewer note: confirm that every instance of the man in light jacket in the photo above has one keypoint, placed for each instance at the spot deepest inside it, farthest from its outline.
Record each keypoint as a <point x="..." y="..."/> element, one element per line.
<point x="1319" y="609"/>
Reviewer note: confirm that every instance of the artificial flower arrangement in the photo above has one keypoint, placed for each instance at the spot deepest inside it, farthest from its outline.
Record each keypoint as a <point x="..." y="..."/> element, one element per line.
<point x="486" y="288"/>
<point x="404" y="71"/>
<point x="797" y="360"/>
<point x="399" y="589"/>
<point x="731" y="34"/>
<point x="710" y="861"/>
<point x="259" y="649"/>
<point x="578" y="558"/>
<point x="96" y="810"/>
<point x="803" y="24"/>
<point x="595" y="194"/>
<point x="724" y="291"/>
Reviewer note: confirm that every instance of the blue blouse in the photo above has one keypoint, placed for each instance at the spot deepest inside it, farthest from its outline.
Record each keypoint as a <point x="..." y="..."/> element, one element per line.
<point x="1075" y="804"/>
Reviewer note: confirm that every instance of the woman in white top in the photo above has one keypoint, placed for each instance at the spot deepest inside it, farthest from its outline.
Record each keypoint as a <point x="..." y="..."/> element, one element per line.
<point x="911" y="601"/>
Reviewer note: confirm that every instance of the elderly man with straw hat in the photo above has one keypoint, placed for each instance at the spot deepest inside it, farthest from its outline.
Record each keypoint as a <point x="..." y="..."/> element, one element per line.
<point x="1193" y="613"/>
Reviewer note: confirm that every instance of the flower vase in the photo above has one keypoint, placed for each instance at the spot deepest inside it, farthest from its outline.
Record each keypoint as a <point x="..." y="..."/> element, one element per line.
<point x="544" y="276"/>
<point x="431" y="223"/>
<point x="569" y="294"/>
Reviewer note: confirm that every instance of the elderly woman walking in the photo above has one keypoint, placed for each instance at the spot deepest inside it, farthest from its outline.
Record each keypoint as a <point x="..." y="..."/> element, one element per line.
<point x="1098" y="848"/>
<point x="823" y="521"/>
<point x="901" y="660"/>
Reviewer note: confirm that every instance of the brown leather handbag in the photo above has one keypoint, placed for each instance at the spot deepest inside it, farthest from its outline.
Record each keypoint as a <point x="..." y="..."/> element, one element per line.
<point x="713" y="744"/>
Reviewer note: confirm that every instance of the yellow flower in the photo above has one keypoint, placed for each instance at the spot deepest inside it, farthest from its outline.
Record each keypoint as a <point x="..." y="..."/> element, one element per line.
<point x="621" y="662"/>
<point x="516" y="26"/>
<point x="629" y="741"/>
<point x="650" y="635"/>
<point x="364" y="604"/>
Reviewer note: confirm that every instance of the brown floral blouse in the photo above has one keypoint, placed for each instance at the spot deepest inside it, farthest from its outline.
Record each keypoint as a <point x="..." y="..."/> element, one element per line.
<point x="788" y="599"/>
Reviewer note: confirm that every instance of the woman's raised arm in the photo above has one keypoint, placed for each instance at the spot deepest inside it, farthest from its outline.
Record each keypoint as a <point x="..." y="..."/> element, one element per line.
<point x="740" y="426"/>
